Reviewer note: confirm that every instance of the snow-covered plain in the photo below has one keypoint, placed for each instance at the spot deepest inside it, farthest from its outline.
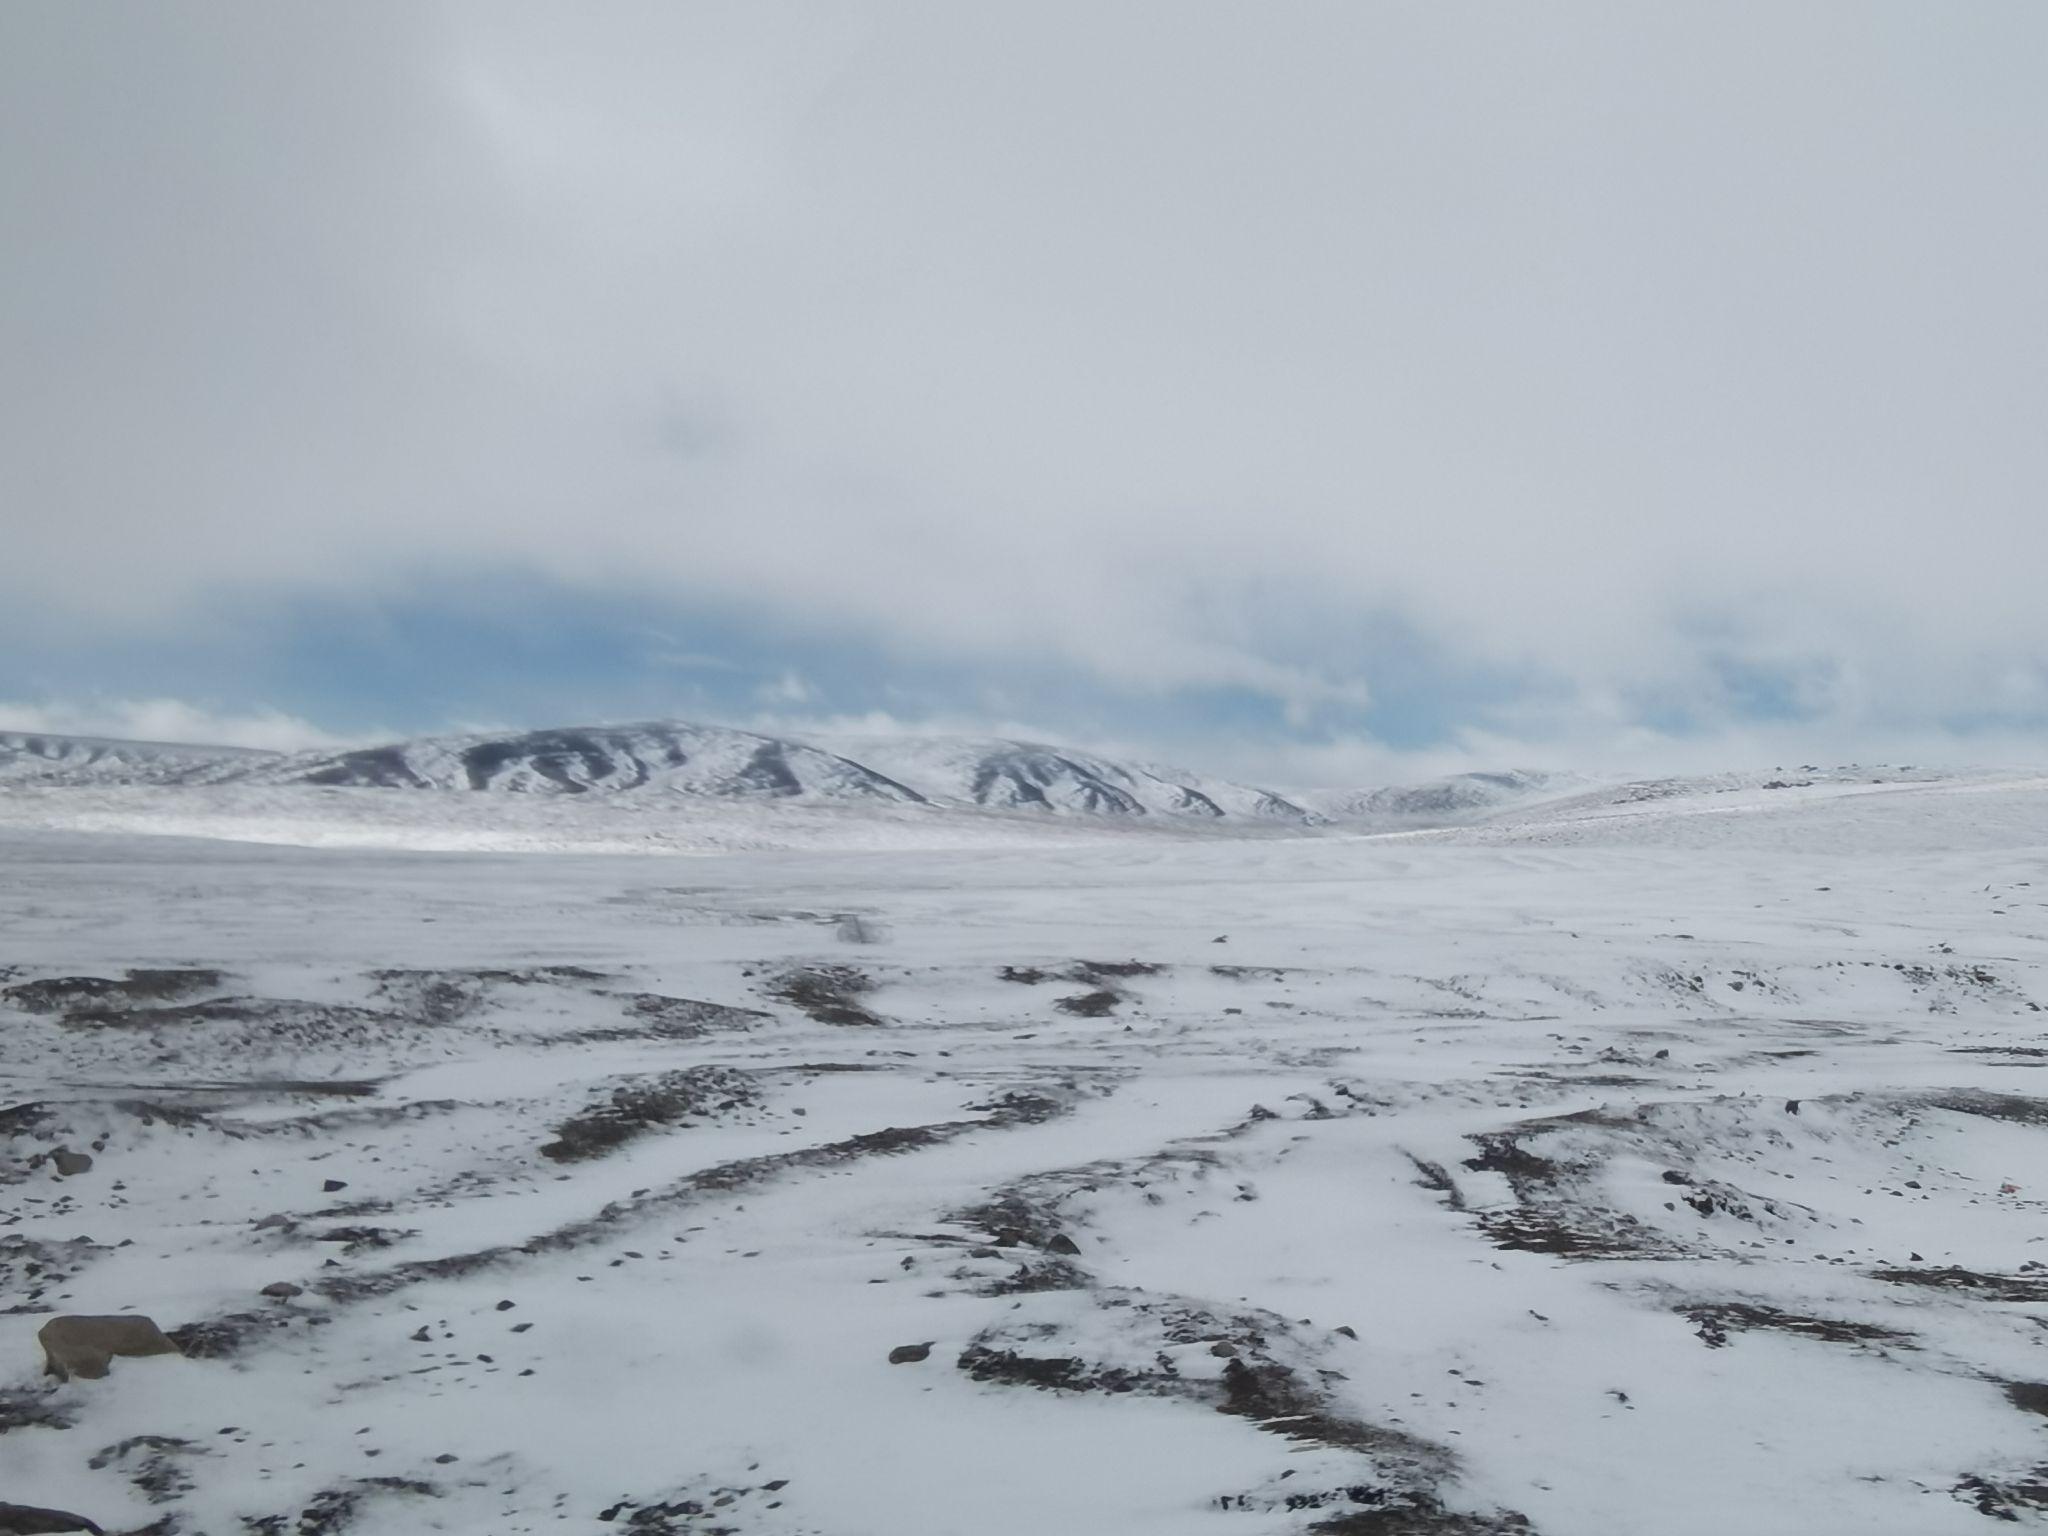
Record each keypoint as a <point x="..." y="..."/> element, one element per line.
<point x="1662" y="1162"/>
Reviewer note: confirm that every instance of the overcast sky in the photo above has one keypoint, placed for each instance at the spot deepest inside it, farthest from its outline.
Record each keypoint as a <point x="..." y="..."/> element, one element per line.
<point x="1316" y="390"/>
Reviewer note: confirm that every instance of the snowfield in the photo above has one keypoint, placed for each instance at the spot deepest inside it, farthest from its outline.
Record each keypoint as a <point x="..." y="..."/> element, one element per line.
<point x="1644" y="1162"/>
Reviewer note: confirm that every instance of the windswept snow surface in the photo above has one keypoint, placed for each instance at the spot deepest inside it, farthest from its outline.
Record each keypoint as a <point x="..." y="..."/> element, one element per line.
<point x="1656" y="1163"/>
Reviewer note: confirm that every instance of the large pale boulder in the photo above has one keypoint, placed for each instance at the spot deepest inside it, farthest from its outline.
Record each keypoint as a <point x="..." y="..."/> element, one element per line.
<point x="82" y="1346"/>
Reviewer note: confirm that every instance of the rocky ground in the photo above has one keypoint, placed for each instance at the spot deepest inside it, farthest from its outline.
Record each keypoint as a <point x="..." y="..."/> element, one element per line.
<point x="1674" y="1168"/>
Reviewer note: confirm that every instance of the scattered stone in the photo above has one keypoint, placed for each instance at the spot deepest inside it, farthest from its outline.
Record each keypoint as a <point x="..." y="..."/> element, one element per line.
<point x="1061" y="1243"/>
<point x="282" y="1290"/>
<point x="334" y="1186"/>
<point x="910" y="1354"/>
<point x="83" y="1346"/>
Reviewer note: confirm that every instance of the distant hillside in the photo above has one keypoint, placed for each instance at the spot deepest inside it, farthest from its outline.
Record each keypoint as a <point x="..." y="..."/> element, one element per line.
<point x="1028" y="776"/>
<point x="37" y="758"/>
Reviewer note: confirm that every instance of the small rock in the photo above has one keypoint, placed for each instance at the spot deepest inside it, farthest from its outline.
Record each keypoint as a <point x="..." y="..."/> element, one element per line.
<point x="909" y="1354"/>
<point x="333" y="1186"/>
<point x="1061" y="1243"/>
<point x="444" y="1458"/>
<point x="1791" y="1106"/>
<point x="283" y="1290"/>
<point x="69" y="1162"/>
<point x="420" y="1336"/>
<point x="1347" y="1330"/>
<point x="505" y="1306"/>
<point x="1223" y="1349"/>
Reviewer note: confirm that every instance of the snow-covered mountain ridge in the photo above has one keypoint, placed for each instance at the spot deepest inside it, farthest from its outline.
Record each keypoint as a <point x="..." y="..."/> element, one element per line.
<point x="676" y="757"/>
<point x="644" y="764"/>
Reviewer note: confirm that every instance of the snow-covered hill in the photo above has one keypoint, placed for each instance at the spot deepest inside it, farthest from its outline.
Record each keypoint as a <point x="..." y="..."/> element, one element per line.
<point x="655" y="756"/>
<point x="947" y="786"/>
<point x="1460" y="798"/>
<point x="33" y="757"/>
<point x="681" y="758"/>
<point x="1030" y="776"/>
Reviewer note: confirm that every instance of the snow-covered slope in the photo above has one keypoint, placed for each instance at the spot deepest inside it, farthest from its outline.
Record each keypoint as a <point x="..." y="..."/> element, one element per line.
<point x="1030" y="776"/>
<point x="30" y="757"/>
<point x="1672" y="1167"/>
<point x="658" y="755"/>
<point x="1448" y="801"/>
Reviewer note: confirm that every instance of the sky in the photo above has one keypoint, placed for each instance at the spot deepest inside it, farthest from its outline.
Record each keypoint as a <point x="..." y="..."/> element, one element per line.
<point x="1321" y="393"/>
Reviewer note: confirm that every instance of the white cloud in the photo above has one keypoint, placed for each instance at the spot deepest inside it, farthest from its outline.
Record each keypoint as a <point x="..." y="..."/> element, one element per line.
<point x="170" y="720"/>
<point x="787" y="689"/>
<point x="1133" y="338"/>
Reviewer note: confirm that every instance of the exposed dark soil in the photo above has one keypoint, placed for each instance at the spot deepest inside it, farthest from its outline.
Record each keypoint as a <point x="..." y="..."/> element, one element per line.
<point x="828" y="993"/>
<point x="1011" y="1218"/>
<point x="1398" y="1496"/>
<point x="1573" y="1233"/>
<point x="654" y="1015"/>
<point x="25" y="1119"/>
<point x="28" y="1269"/>
<point x="1426" y="1517"/>
<point x="2013" y="1107"/>
<point x="634" y="1109"/>
<point x="1716" y="1321"/>
<point x="2031" y="1396"/>
<point x="1089" y="1005"/>
<point x="1437" y="1178"/>
<point x="152" y="1463"/>
<point x="1029" y="1108"/>
<point x="1952" y="1278"/>
<point x="28" y="1409"/>
<point x="282" y="1021"/>
<point x="61" y="994"/>
<point x="2006" y="1499"/>
<point x="1096" y="972"/>
<point x="220" y="1337"/>
<point x="1066" y="1373"/>
<point x="444" y="996"/>
<point x="335" y="1509"/>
